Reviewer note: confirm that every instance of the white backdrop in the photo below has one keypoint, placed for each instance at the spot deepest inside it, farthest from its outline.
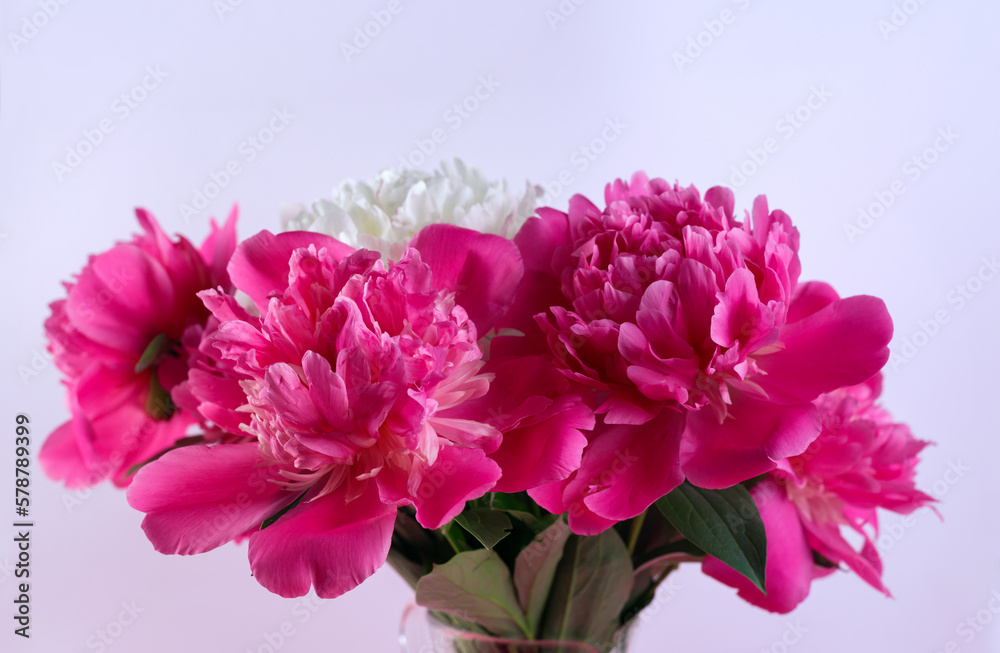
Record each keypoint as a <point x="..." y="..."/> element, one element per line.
<point x="881" y="114"/>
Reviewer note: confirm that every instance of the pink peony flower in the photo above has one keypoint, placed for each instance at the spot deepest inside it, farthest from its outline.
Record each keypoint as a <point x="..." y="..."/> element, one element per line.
<point x="118" y="337"/>
<point x="705" y="350"/>
<point x="861" y="461"/>
<point x="365" y="390"/>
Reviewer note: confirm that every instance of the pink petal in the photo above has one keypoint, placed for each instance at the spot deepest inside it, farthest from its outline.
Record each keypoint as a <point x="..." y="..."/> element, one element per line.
<point x="62" y="460"/>
<point x="484" y="270"/>
<point x="119" y="299"/>
<point x="328" y="543"/>
<point x="458" y="475"/>
<point x="557" y="499"/>
<point x="544" y="450"/>
<point x="218" y="248"/>
<point x="810" y="297"/>
<point x="284" y="391"/>
<point x="197" y="498"/>
<point x="789" y="569"/>
<point x="259" y="267"/>
<point x="630" y="467"/>
<point x="754" y="435"/>
<point x="739" y="315"/>
<point x="840" y="345"/>
<point x="829" y="543"/>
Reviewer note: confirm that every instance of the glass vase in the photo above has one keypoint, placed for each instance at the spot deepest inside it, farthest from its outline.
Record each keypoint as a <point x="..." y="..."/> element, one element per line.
<point x="420" y="632"/>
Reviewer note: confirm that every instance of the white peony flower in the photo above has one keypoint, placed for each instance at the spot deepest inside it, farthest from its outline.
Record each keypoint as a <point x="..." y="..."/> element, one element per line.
<point x="384" y="214"/>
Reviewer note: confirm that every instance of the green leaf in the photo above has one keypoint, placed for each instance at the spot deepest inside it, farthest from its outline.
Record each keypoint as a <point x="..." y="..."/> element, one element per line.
<point x="475" y="586"/>
<point x="722" y="523"/>
<point x="487" y="526"/>
<point x="591" y="585"/>
<point x="536" y="524"/>
<point x="535" y="570"/>
<point x="152" y="353"/>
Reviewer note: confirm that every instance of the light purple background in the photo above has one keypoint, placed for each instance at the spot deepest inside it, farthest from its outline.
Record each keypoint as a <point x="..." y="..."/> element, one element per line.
<point x="559" y="83"/>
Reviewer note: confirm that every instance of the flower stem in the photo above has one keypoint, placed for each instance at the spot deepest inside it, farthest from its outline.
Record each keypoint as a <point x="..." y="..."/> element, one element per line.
<point x="633" y="535"/>
<point x="447" y="535"/>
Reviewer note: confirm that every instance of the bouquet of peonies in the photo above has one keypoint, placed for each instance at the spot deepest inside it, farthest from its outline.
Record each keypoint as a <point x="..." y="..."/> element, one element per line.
<point x="534" y="415"/>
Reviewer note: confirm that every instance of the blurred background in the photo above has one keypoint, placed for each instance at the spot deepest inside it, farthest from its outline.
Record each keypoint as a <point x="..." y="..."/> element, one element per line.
<point x="872" y="123"/>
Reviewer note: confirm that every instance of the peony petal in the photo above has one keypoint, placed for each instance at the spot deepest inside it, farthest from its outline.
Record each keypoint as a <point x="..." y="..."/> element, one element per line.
<point x="840" y="345"/>
<point x="284" y="391"/>
<point x="259" y="267"/>
<point x="219" y="246"/>
<point x="739" y="315"/>
<point x="484" y="270"/>
<point x="829" y="543"/>
<point x="789" y="569"/>
<point x="810" y="297"/>
<point x="544" y="450"/>
<point x="119" y="299"/>
<point x="754" y="435"/>
<point x="197" y="498"/>
<point x="62" y="460"/>
<point x="328" y="542"/>
<point x="630" y="467"/>
<point x="564" y="496"/>
<point x="458" y="475"/>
